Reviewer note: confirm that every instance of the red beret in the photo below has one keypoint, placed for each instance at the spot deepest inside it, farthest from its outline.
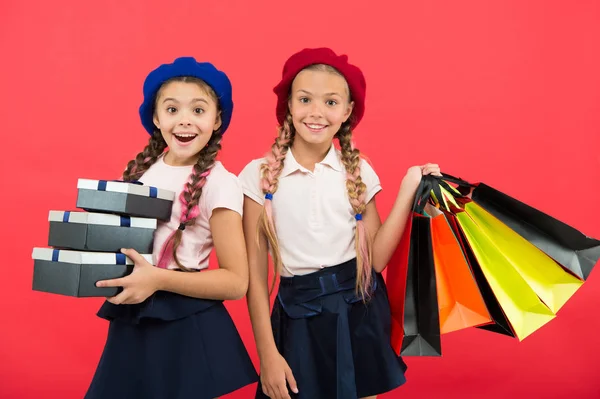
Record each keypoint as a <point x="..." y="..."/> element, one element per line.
<point x="299" y="61"/>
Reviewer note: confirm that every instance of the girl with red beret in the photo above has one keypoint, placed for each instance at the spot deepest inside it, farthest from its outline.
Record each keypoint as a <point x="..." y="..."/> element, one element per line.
<point x="313" y="208"/>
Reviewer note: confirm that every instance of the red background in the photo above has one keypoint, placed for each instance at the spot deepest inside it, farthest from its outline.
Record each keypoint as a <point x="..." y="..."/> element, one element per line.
<point x="504" y="92"/>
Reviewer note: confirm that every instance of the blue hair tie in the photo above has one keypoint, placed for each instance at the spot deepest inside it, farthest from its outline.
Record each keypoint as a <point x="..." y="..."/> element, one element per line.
<point x="358" y="216"/>
<point x="269" y="196"/>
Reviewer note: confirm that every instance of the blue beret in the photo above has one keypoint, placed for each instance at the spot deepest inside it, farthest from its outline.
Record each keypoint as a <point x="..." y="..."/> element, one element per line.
<point x="186" y="66"/>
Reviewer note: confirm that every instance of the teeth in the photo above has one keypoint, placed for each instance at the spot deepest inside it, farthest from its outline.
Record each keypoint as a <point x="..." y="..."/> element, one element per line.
<point x="314" y="126"/>
<point x="185" y="135"/>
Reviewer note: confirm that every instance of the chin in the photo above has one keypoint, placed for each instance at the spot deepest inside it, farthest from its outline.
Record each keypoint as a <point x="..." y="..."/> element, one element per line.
<point x="184" y="153"/>
<point x="312" y="138"/>
<point x="323" y="140"/>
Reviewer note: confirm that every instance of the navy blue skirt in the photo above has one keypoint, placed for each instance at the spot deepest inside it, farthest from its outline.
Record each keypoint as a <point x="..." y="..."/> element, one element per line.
<point x="337" y="346"/>
<point x="170" y="346"/>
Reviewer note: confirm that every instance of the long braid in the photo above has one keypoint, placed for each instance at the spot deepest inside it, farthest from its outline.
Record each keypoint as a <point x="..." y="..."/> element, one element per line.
<point x="356" y="193"/>
<point x="270" y="172"/>
<point x="136" y="167"/>
<point x="190" y="198"/>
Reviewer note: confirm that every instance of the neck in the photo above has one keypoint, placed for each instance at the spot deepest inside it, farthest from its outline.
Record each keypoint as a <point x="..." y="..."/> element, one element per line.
<point x="308" y="155"/>
<point x="172" y="159"/>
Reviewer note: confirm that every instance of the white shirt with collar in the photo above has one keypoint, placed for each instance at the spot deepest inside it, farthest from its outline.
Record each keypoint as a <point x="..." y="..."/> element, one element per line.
<point x="313" y="217"/>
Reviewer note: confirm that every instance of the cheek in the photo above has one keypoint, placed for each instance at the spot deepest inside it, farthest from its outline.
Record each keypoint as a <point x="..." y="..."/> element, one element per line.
<point x="336" y="116"/>
<point x="166" y="137"/>
<point x="206" y="127"/>
<point x="207" y="121"/>
<point x="298" y="125"/>
<point x="298" y="111"/>
<point x="165" y="119"/>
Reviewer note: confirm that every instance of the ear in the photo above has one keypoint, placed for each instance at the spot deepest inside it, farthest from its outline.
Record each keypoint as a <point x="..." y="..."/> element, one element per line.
<point x="155" y="120"/>
<point x="218" y="122"/>
<point x="348" y="111"/>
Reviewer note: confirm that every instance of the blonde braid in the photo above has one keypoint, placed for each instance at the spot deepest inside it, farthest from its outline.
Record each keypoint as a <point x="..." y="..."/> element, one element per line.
<point x="270" y="172"/>
<point x="356" y="194"/>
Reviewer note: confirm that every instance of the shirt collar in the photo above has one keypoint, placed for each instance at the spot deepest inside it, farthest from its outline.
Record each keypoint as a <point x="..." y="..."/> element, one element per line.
<point x="332" y="159"/>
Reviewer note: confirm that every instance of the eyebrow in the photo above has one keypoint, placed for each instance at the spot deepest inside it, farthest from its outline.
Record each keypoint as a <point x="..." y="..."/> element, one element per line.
<point x="193" y="101"/>
<point x="326" y="94"/>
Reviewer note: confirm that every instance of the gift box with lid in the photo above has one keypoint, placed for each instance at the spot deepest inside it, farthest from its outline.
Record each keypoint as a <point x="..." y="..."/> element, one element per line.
<point x="124" y="198"/>
<point x="99" y="232"/>
<point x="75" y="273"/>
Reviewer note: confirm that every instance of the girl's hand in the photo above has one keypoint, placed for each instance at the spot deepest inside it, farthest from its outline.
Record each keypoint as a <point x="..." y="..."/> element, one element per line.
<point x="137" y="286"/>
<point x="274" y="372"/>
<point x="415" y="173"/>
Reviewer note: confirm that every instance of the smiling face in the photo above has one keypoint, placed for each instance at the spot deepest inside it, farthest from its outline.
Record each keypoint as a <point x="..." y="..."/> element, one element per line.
<point x="319" y="103"/>
<point x="187" y="114"/>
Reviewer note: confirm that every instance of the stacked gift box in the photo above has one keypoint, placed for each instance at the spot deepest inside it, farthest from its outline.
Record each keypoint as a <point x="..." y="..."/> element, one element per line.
<point x="85" y="245"/>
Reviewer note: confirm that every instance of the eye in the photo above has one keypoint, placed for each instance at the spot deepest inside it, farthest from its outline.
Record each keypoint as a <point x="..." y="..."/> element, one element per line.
<point x="171" y="110"/>
<point x="304" y="100"/>
<point x="198" y="110"/>
<point x="331" y="103"/>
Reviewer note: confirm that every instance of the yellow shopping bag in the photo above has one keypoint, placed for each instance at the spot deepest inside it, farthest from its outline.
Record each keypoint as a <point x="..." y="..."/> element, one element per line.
<point x="552" y="284"/>
<point x="523" y="308"/>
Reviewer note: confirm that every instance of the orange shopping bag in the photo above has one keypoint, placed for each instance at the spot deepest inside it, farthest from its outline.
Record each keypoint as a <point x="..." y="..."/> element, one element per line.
<point x="461" y="304"/>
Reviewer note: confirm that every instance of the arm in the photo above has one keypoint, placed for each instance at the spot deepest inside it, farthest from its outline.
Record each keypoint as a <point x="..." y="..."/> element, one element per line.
<point x="230" y="281"/>
<point x="274" y="369"/>
<point x="258" y="289"/>
<point x="386" y="236"/>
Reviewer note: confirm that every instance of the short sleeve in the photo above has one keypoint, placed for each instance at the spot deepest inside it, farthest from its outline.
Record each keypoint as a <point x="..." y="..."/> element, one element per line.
<point x="371" y="180"/>
<point x="250" y="180"/>
<point x="223" y="190"/>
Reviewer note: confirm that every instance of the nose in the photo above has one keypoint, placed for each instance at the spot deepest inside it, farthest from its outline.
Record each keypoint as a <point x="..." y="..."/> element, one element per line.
<point x="184" y="119"/>
<point x="315" y="109"/>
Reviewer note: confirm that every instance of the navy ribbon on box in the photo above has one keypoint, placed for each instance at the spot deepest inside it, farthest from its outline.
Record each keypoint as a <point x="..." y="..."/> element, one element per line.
<point x="102" y="186"/>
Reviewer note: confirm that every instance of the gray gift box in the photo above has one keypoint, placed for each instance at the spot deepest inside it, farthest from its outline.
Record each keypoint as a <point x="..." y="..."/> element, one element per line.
<point x="100" y="232"/>
<point x="124" y="198"/>
<point x="75" y="273"/>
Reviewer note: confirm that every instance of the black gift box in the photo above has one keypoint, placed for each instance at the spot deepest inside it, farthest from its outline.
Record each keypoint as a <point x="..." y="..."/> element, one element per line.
<point x="75" y="273"/>
<point x="100" y="232"/>
<point x="124" y="198"/>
